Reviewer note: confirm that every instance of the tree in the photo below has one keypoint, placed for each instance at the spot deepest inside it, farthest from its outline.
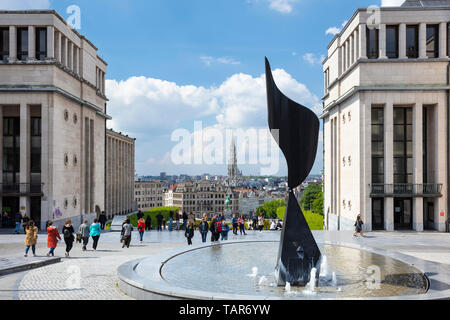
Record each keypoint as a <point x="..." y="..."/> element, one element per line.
<point x="317" y="205"/>
<point x="269" y="209"/>
<point x="309" y="194"/>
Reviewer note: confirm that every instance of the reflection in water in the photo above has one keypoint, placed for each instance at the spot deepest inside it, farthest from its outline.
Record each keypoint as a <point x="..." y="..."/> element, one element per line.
<point x="226" y="269"/>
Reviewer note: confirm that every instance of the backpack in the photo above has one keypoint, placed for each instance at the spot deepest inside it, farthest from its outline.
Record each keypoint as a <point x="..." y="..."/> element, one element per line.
<point x="67" y="233"/>
<point x="219" y="227"/>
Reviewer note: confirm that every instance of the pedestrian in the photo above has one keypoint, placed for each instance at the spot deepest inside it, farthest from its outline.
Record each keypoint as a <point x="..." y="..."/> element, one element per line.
<point x="148" y="223"/>
<point x="25" y="220"/>
<point x="159" y="218"/>
<point x="234" y="223"/>
<point x="141" y="228"/>
<point x="31" y="232"/>
<point x="164" y="224"/>
<point x="189" y="232"/>
<point x="177" y="219"/>
<point x="52" y="238"/>
<point x="279" y="225"/>
<point x="260" y="222"/>
<point x="185" y="219"/>
<point x="18" y="222"/>
<point x="358" y="226"/>
<point x="225" y="228"/>
<point x="254" y="221"/>
<point x="68" y="232"/>
<point x="203" y="228"/>
<point x="95" y="232"/>
<point x="241" y="223"/>
<point x="212" y="228"/>
<point x="218" y="229"/>
<point x="83" y="230"/>
<point x="140" y="215"/>
<point x="127" y="230"/>
<point x="5" y="219"/>
<point x="170" y="220"/>
<point x="102" y="219"/>
<point x="273" y="226"/>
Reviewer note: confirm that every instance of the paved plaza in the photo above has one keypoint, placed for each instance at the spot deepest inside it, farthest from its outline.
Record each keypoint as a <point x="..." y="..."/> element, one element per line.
<point x="93" y="275"/>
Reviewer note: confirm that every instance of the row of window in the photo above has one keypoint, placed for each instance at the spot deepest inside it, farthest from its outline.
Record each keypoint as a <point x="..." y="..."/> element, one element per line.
<point x="412" y="41"/>
<point x="22" y="43"/>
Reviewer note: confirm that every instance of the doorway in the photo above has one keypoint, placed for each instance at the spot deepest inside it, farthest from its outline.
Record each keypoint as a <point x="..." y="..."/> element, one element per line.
<point x="378" y="214"/>
<point x="35" y="214"/>
<point x="428" y="214"/>
<point x="11" y="206"/>
<point x="403" y="214"/>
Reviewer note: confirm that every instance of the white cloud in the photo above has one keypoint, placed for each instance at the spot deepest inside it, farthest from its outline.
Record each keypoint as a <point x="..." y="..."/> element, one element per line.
<point x="391" y="3"/>
<point x="335" y="30"/>
<point x="141" y="106"/>
<point x="312" y="59"/>
<point x="24" y="4"/>
<point x="283" y="6"/>
<point x="208" y="60"/>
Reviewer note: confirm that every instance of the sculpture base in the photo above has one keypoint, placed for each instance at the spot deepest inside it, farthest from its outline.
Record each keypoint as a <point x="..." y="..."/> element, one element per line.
<point x="298" y="253"/>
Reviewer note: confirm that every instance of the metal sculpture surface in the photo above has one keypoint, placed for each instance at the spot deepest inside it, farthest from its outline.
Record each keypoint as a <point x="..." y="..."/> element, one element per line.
<point x="296" y="130"/>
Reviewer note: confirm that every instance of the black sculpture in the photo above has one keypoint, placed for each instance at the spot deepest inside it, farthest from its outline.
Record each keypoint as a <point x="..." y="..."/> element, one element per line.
<point x="296" y="132"/>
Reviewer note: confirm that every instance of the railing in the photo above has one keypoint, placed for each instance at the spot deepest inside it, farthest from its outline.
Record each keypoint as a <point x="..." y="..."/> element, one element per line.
<point x="404" y="189"/>
<point x="21" y="189"/>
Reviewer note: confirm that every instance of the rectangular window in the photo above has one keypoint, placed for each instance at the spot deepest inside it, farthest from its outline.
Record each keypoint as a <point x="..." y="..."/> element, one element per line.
<point x="372" y="43"/>
<point x="392" y="42"/>
<point x="22" y="43"/>
<point x="41" y="43"/>
<point x="433" y="41"/>
<point x="35" y="153"/>
<point x="412" y="41"/>
<point x="11" y="150"/>
<point x="4" y="43"/>
<point x="403" y="155"/>
<point x="377" y="145"/>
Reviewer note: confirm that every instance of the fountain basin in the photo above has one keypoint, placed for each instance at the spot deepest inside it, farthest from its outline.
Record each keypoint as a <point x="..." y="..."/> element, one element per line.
<point x="224" y="271"/>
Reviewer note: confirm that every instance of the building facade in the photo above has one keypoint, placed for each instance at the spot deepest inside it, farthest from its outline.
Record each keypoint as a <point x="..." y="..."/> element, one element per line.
<point x="386" y="119"/>
<point x="52" y="118"/>
<point x="148" y="195"/>
<point x="120" y="150"/>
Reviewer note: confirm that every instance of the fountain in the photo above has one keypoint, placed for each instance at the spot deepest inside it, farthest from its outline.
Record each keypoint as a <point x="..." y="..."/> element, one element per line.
<point x="302" y="261"/>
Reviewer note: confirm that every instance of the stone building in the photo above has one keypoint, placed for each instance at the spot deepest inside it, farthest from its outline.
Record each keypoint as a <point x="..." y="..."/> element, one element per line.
<point x="386" y="119"/>
<point x="148" y="195"/>
<point x="52" y="118"/>
<point x="120" y="151"/>
<point x="205" y="196"/>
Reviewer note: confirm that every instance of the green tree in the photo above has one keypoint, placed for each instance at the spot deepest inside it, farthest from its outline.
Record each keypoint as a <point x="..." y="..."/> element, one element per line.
<point x="269" y="209"/>
<point x="317" y="204"/>
<point x="309" y="194"/>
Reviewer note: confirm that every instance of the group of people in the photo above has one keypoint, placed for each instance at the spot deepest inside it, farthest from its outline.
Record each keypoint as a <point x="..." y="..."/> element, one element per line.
<point x="18" y="221"/>
<point x="85" y="231"/>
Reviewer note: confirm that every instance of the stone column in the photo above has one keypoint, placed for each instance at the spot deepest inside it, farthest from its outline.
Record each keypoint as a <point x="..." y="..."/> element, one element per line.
<point x="356" y="42"/>
<point x="50" y="42"/>
<point x="31" y="43"/>
<point x="441" y="156"/>
<point x="58" y="43"/>
<point x="365" y="132"/>
<point x="418" y="163"/>
<point x="402" y="41"/>
<point x="351" y="49"/>
<point x="70" y="55"/>
<point x="12" y="43"/>
<point x="382" y="41"/>
<point x="64" y="52"/>
<point x="362" y="41"/>
<point x="423" y="41"/>
<point x="443" y="40"/>
<point x="389" y="163"/>
<point x="24" y="156"/>
<point x="45" y="158"/>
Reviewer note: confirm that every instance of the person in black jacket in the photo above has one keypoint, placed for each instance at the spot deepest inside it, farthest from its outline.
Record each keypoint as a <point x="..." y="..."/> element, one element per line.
<point x="189" y="233"/>
<point x="159" y="218"/>
<point x="148" y="223"/>
<point x="102" y="219"/>
<point x="68" y="232"/>
<point x="140" y="215"/>
<point x="213" y="229"/>
<point x="185" y="219"/>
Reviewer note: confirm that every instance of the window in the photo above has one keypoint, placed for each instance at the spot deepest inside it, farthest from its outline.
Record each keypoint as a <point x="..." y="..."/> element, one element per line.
<point x="433" y="41"/>
<point x="41" y="43"/>
<point x="403" y="149"/>
<point x="372" y="43"/>
<point x="35" y="150"/>
<point x="11" y="150"/>
<point x="22" y="43"/>
<point x="412" y="42"/>
<point x="4" y="43"/>
<point x="377" y="145"/>
<point x="392" y="42"/>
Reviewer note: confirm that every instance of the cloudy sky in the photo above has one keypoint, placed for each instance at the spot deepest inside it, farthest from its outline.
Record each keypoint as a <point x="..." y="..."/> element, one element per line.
<point x="174" y="62"/>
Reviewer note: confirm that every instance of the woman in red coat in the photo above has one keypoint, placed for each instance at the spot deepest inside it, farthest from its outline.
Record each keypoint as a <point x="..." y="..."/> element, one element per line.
<point x="141" y="228"/>
<point x="52" y="239"/>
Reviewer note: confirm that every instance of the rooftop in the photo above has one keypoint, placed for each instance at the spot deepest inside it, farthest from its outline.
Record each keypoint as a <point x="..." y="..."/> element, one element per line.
<point x="426" y="3"/>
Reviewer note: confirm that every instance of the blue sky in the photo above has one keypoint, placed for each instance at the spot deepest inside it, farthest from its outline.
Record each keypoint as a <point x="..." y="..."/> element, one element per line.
<point x="172" y="62"/>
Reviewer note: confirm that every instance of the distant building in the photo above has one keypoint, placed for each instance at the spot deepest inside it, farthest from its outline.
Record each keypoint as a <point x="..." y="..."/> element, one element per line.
<point x="148" y="195"/>
<point x="119" y="174"/>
